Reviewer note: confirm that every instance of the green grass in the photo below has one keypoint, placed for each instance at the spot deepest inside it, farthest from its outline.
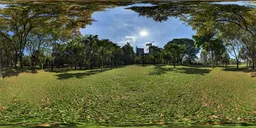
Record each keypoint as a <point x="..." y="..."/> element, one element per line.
<point x="130" y="96"/>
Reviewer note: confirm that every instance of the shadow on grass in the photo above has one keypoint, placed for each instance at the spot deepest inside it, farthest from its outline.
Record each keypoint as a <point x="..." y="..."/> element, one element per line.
<point x="159" y="70"/>
<point x="193" y="70"/>
<point x="13" y="72"/>
<point x="188" y="70"/>
<point x="63" y="70"/>
<point x="237" y="70"/>
<point x="66" y="75"/>
<point x="59" y="70"/>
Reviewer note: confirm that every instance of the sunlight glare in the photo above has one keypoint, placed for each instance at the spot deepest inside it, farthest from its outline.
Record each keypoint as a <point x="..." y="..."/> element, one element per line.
<point x="143" y="33"/>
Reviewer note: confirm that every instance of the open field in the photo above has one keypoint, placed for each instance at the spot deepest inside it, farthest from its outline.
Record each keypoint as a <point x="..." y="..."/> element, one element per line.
<point x="132" y="95"/>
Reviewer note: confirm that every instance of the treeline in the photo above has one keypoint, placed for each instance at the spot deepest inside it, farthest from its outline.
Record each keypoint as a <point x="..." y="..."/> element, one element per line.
<point x="178" y="51"/>
<point x="90" y="52"/>
<point x="80" y="52"/>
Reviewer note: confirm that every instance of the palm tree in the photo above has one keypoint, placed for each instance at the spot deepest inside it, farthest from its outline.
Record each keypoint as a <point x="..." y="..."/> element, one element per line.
<point x="105" y="49"/>
<point x="91" y="50"/>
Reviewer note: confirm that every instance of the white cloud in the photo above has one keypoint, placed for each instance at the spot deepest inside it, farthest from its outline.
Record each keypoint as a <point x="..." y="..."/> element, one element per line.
<point x="130" y="39"/>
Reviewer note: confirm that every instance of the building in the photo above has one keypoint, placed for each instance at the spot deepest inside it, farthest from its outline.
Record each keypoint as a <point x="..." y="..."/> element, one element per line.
<point x="139" y="51"/>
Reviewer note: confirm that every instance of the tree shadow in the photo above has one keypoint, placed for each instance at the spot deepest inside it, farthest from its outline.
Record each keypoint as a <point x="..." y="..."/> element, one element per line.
<point x="10" y="72"/>
<point x="233" y="69"/>
<point x="78" y="75"/>
<point x="63" y="70"/>
<point x="159" y="70"/>
<point x="193" y="70"/>
<point x="59" y="70"/>
<point x="186" y="70"/>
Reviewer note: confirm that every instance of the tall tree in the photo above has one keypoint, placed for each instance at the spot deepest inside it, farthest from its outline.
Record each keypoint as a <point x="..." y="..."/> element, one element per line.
<point x="128" y="54"/>
<point x="204" y="57"/>
<point x="175" y="51"/>
<point x="191" y="51"/>
<point x="225" y="59"/>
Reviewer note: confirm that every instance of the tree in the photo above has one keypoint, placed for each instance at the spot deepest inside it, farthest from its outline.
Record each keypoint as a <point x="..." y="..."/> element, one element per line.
<point x="117" y="55"/>
<point x="225" y="59"/>
<point x="190" y="52"/>
<point x="75" y="52"/>
<point x="233" y="48"/>
<point x="1" y="67"/>
<point x="91" y="50"/>
<point x="4" y="40"/>
<point x="105" y="49"/>
<point x="156" y="54"/>
<point x="210" y="44"/>
<point x="231" y="36"/>
<point x="243" y="54"/>
<point x="128" y="54"/>
<point x="175" y="51"/>
<point x="204" y="57"/>
<point x="58" y="20"/>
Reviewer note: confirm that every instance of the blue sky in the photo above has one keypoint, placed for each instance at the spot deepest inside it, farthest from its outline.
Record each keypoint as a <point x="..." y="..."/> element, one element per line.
<point x="2" y="6"/>
<point x="122" y="25"/>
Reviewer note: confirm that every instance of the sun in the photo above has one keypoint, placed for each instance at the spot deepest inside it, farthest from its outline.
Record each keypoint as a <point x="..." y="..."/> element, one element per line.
<point x="143" y="33"/>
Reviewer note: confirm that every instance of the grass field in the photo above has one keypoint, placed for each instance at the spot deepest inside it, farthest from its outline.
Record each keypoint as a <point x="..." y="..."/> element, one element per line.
<point x="132" y="95"/>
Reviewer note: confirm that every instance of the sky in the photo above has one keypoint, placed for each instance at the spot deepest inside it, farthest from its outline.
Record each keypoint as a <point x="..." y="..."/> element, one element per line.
<point x="122" y="25"/>
<point x="2" y="6"/>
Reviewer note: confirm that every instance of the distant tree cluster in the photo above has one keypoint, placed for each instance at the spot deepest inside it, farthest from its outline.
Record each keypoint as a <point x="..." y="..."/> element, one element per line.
<point x="178" y="51"/>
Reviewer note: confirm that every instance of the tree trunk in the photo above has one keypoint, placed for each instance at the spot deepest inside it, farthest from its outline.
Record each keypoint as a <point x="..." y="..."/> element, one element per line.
<point x="33" y="66"/>
<point x="253" y="66"/>
<point x="1" y="68"/>
<point x="237" y="64"/>
<point x="247" y="65"/>
<point x="52" y="64"/>
<point x="99" y="62"/>
<point x="111" y="62"/>
<point x="101" y="65"/>
<point x="212" y="59"/>
<point x="174" y="63"/>
<point x="33" y="62"/>
<point x="30" y="65"/>
<point x="154" y="61"/>
<point x="16" y="60"/>
<point x="7" y="61"/>
<point x="21" y="65"/>
<point x="53" y="53"/>
<point x="42" y="66"/>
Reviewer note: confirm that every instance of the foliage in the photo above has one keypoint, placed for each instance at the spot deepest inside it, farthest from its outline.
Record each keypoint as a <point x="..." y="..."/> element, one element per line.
<point x="128" y="54"/>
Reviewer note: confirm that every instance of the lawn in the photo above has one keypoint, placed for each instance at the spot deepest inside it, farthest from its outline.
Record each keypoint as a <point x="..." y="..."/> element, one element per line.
<point x="130" y="96"/>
